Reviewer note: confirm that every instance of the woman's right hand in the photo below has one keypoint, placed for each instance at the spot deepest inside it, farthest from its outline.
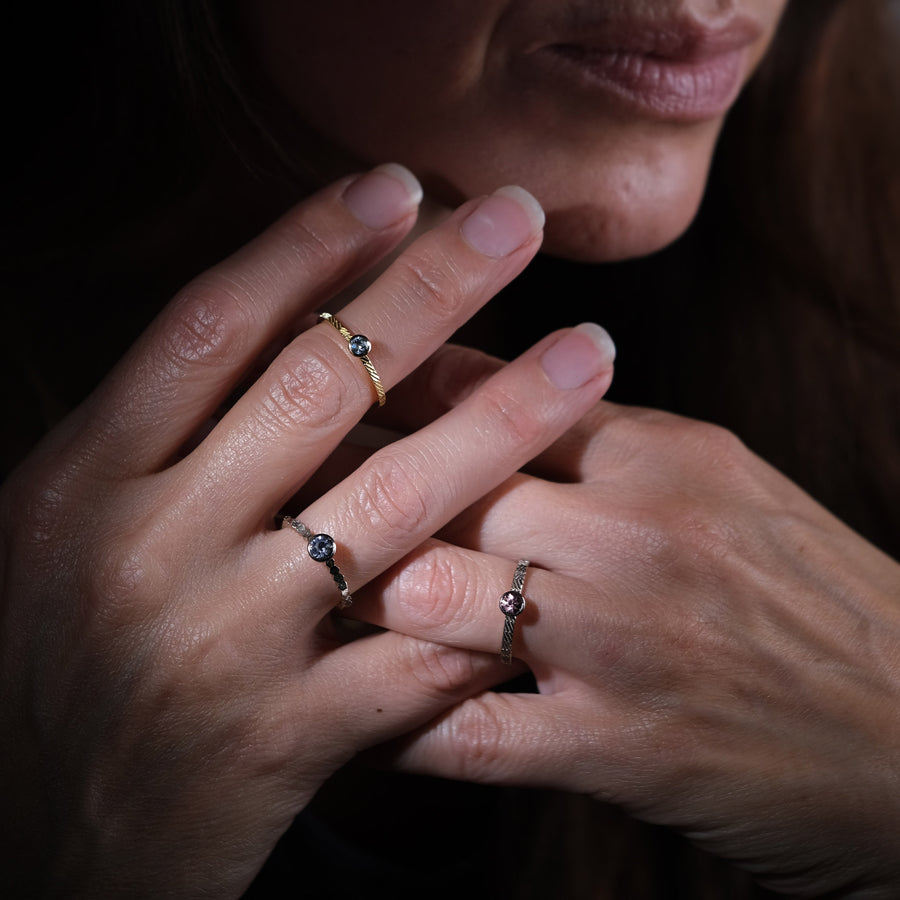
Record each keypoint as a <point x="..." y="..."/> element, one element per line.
<point x="172" y="694"/>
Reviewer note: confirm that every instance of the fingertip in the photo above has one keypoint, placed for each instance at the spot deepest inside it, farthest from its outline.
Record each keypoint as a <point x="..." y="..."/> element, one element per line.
<point x="579" y="356"/>
<point x="384" y="196"/>
<point x="600" y="336"/>
<point x="527" y="201"/>
<point x="503" y="222"/>
<point x="406" y="178"/>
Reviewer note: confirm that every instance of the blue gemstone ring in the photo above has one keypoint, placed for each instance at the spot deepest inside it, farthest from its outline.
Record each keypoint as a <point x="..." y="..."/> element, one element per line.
<point x="360" y="347"/>
<point x="512" y="604"/>
<point x="321" y="548"/>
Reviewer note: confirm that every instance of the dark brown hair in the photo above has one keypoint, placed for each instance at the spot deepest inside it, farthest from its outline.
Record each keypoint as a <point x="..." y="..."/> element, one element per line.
<point x="811" y="164"/>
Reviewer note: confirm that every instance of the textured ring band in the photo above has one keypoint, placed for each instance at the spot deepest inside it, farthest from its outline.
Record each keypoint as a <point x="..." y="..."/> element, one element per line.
<point x="360" y="346"/>
<point x="321" y="548"/>
<point x="512" y="603"/>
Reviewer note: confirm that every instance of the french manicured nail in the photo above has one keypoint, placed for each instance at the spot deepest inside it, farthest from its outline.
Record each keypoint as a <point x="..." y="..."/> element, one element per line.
<point x="383" y="196"/>
<point x="503" y="222"/>
<point x="583" y="353"/>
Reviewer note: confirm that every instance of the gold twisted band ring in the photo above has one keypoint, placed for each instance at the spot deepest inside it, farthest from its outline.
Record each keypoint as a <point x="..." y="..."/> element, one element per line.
<point x="360" y="346"/>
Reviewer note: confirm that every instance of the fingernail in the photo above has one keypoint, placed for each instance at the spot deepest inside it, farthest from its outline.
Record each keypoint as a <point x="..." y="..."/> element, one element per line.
<point x="383" y="196"/>
<point x="583" y="353"/>
<point x="503" y="222"/>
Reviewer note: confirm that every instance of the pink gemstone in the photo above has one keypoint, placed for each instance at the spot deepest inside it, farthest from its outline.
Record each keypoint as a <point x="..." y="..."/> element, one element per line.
<point x="512" y="603"/>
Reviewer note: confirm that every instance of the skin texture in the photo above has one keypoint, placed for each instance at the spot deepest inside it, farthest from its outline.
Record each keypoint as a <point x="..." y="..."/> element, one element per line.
<point x="452" y="90"/>
<point x="172" y="694"/>
<point x="714" y="651"/>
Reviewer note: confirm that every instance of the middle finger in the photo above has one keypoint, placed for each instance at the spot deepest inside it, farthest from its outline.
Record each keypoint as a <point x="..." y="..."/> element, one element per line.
<point x="282" y="429"/>
<point x="407" y="491"/>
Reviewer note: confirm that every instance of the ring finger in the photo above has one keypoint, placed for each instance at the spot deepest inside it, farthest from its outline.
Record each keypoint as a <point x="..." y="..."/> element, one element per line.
<point x="451" y="595"/>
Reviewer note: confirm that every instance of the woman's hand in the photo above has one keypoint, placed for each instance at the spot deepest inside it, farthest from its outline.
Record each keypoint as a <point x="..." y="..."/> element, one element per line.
<point x="713" y="650"/>
<point x="173" y="689"/>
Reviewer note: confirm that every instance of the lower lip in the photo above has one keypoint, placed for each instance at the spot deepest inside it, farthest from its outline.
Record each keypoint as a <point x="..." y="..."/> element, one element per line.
<point x="678" y="90"/>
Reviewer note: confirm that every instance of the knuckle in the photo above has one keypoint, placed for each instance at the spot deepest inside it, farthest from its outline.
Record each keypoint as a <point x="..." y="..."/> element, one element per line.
<point x="659" y="543"/>
<point x="705" y="541"/>
<point x="435" y="280"/>
<point x="115" y="578"/>
<point x="477" y="738"/>
<point x="209" y="322"/>
<point x="631" y="433"/>
<point x="455" y="372"/>
<point x="53" y="479"/>
<point x="125" y="575"/>
<point x="435" y="592"/>
<point x="302" y="243"/>
<point x="441" y="670"/>
<point x="301" y="389"/>
<point x="713" y="446"/>
<point x="135" y="567"/>
<point x="41" y="511"/>
<point x="509" y="418"/>
<point x="309" y="245"/>
<point x="44" y="507"/>
<point x="393" y="496"/>
<point x="676" y="544"/>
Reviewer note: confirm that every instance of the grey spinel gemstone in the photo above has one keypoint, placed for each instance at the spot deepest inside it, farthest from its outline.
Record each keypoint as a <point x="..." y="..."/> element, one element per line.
<point x="321" y="547"/>
<point x="360" y="345"/>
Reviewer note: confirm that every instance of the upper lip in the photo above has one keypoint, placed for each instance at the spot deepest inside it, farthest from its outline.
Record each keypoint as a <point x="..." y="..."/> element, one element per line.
<point x="684" y="38"/>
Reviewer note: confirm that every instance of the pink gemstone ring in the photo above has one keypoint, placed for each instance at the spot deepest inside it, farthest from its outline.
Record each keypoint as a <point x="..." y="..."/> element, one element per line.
<point x="512" y="603"/>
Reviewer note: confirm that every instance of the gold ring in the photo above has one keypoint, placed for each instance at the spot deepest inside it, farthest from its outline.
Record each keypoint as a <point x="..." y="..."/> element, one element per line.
<point x="360" y="347"/>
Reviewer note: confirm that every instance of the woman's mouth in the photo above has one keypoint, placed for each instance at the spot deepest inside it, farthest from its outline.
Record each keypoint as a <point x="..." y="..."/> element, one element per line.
<point x="685" y="72"/>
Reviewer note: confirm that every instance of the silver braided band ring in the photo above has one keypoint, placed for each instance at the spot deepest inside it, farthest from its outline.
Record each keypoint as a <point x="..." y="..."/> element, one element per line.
<point x="360" y="347"/>
<point x="321" y="548"/>
<point x="511" y="605"/>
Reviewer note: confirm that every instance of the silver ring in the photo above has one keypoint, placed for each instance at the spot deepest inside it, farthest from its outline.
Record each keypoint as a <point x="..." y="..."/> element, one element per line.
<point x="321" y="548"/>
<point x="512" y="603"/>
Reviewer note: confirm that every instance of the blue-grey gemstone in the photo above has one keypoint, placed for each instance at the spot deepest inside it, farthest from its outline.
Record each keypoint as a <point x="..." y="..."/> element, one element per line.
<point x="321" y="547"/>
<point x="360" y="345"/>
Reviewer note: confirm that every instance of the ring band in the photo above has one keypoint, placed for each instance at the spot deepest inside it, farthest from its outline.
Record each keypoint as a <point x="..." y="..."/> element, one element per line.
<point x="512" y="603"/>
<point x="321" y="548"/>
<point x="360" y="346"/>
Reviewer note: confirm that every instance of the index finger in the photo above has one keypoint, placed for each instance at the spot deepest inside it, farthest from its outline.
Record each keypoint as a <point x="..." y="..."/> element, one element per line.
<point x="192" y="355"/>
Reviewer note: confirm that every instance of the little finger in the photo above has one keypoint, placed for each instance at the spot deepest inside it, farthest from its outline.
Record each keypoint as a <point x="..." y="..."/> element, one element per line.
<point x="524" y="740"/>
<point x="388" y="684"/>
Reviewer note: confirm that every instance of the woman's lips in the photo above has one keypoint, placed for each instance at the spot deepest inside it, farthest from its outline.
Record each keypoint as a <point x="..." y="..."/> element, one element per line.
<point x="684" y="72"/>
<point x="668" y="88"/>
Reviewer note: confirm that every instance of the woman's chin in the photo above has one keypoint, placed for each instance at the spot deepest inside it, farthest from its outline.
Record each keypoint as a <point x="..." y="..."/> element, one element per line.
<point x="603" y="205"/>
<point x="592" y="233"/>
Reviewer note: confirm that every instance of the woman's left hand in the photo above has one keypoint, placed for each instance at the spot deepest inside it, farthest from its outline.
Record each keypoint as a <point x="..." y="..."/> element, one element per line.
<point x="714" y="651"/>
